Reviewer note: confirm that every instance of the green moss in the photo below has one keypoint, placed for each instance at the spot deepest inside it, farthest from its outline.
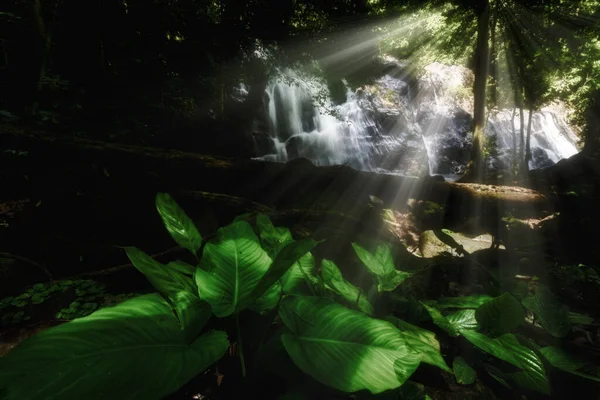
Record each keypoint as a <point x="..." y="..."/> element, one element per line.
<point x="431" y="209"/>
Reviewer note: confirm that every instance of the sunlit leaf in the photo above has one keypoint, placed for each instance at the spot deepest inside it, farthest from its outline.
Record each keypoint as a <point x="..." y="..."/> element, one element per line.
<point x="500" y="315"/>
<point x="302" y="270"/>
<point x="564" y="361"/>
<point x="345" y="349"/>
<point x="550" y="313"/>
<point x="381" y="264"/>
<point x="464" y="374"/>
<point x="421" y="341"/>
<point x="463" y="319"/>
<point x="272" y="238"/>
<point x="164" y="279"/>
<point x="178" y="288"/>
<point x="178" y="224"/>
<point x="508" y="348"/>
<point x="235" y="264"/>
<point x="441" y="321"/>
<point x="268" y="300"/>
<point x="334" y="281"/>
<point x="284" y="260"/>
<point x="182" y="267"/>
<point x="108" y="354"/>
<point x="473" y="301"/>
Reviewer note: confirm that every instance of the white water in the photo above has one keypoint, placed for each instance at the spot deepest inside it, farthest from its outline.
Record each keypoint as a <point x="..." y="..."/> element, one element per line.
<point x="353" y="134"/>
<point x="550" y="135"/>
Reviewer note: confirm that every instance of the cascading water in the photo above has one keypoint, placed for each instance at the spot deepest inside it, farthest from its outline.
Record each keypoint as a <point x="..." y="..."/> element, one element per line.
<point x="325" y="134"/>
<point x="551" y="137"/>
<point x="382" y="128"/>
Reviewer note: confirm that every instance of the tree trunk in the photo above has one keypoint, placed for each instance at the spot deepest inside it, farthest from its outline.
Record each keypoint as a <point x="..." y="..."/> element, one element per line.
<point x="475" y="169"/>
<point x="493" y="63"/>
<point x="528" y="143"/>
<point x="514" y="142"/>
<point x="522" y="169"/>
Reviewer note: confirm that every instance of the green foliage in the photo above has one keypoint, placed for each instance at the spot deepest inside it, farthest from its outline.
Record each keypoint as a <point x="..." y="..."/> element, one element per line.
<point x="500" y="315"/>
<point x="421" y="341"/>
<point x="343" y="348"/>
<point x="334" y="281"/>
<point x="381" y="264"/>
<point x="233" y="265"/>
<point x="161" y="338"/>
<point x="551" y="314"/>
<point x="108" y="354"/>
<point x="464" y="374"/>
<point x="532" y="372"/>
<point x="179" y="225"/>
<point x="564" y="361"/>
<point x="83" y="297"/>
<point x="472" y="301"/>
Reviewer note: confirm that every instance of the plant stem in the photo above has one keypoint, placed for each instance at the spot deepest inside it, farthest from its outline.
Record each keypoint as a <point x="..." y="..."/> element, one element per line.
<point x="240" y="348"/>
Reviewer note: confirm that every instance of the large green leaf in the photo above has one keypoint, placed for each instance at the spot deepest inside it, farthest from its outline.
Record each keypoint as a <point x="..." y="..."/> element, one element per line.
<point x="284" y="260"/>
<point x="508" y="348"/>
<point x="334" y="281"/>
<point x="272" y="238"/>
<point x="464" y="374"/>
<point x="441" y="321"/>
<point x="345" y="349"/>
<point x="235" y="264"/>
<point x="268" y="300"/>
<point x="302" y="271"/>
<point x="500" y="315"/>
<point x="179" y="225"/>
<point x="564" y="361"/>
<point x="182" y="267"/>
<point x="178" y="288"/>
<point x="192" y="312"/>
<point x="580" y="319"/>
<point x="473" y="301"/>
<point x="421" y="341"/>
<point x="382" y="265"/>
<point x="463" y="319"/>
<point x="135" y="350"/>
<point x="164" y="279"/>
<point x="551" y="314"/>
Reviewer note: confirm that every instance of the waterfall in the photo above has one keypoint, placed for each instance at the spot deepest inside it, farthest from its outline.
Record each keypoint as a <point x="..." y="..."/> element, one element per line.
<point x="551" y="137"/>
<point x="325" y="134"/>
<point x="383" y="127"/>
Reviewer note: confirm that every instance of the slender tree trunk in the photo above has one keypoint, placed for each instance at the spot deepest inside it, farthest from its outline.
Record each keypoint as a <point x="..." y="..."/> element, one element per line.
<point x="493" y="63"/>
<point x="514" y="144"/>
<point x="522" y="141"/>
<point x="528" y="143"/>
<point x="592" y="132"/>
<point x="475" y="169"/>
